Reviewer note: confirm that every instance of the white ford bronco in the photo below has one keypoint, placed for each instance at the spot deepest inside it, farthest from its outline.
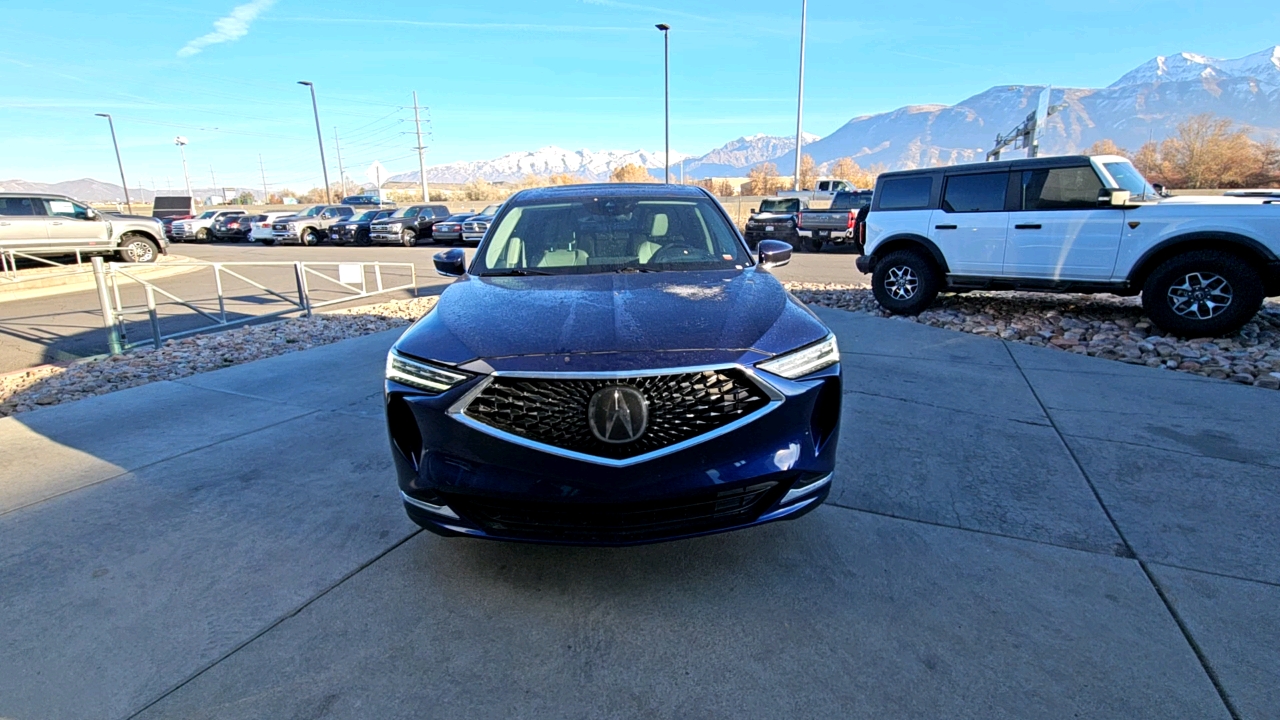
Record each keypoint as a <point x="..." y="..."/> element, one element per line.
<point x="1072" y="225"/>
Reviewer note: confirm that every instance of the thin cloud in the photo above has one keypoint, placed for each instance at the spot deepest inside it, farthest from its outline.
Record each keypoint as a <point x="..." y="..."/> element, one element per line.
<point x="647" y="9"/>
<point x="227" y="29"/>
<point x="463" y="25"/>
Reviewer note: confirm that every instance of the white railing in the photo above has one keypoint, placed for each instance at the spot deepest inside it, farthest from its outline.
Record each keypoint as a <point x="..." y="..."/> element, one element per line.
<point x="349" y="280"/>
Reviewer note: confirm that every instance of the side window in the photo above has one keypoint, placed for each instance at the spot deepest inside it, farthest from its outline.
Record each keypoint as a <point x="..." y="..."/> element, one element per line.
<point x="976" y="193"/>
<point x="67" y="209"/>
<point x="909" y="193"/>
<point x="1060" y="189"/>
<point x="19" y="207"/>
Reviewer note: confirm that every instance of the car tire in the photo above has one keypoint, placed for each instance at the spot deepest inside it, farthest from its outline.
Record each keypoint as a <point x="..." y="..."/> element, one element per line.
<point x="268" y="241"/>
<point x="408" y="238"/>
<point x="1203" y="293"/>
<point x="813" y="245"/>
<point x="307" y="237"/>
<point x="138" y="249"/>
<point x="364" y="239"/>
<point x="202" y="235"/>
<point x="905" y="282"/>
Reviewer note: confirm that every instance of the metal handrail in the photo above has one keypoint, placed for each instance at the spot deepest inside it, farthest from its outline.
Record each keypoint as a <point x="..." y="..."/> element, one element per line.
<point x="9" y="257"/>
<point x="114" y="311"/>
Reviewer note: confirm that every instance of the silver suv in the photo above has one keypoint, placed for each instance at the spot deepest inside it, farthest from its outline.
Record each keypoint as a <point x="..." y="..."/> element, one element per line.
<point x="49" y="225"/>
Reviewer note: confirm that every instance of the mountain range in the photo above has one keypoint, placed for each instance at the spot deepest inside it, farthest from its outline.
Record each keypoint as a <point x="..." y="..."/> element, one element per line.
<point x="1146" y="103"/>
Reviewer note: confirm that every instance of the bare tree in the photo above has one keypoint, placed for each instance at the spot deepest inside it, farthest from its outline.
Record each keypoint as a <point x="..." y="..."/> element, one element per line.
<point x="631" y="173"/>
<point x="764" y="179"/>
<point x="1106" y="147"/>
<point x="808" y="173"/>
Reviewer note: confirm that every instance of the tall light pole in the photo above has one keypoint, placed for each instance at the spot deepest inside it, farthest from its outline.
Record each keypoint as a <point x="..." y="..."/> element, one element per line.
<point x="124" y="183"/>
<point x="320" y="138"/>
<point x="422" y="163"/>
<point x="181" y="142"/>
<point x="804" y="14"/>
<point x="342" y="175"/>
<point x="666" y="94"/>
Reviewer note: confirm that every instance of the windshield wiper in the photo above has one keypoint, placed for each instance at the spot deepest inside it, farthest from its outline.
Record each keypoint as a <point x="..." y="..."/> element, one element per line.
<point x="633" y="269"/>
<point x="514" y="272"/>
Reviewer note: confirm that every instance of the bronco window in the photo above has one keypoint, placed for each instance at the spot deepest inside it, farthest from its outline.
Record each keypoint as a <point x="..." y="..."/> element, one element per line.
<point x="1074" y="188"/>
<point x="909" y="193"/>
<point x="610" y="234"/>
<point x="976" y="193"/>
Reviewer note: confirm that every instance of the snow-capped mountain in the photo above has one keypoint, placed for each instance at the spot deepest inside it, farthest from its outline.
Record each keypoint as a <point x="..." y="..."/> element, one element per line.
<point x="732" y="158"/>
<point x="1184" y="67"/>
<point x="1145" y="104"/>
<point x="588" y="164"/>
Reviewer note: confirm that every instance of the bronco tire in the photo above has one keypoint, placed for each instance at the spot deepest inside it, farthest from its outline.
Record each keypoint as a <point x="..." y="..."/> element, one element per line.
<point x="138" y="248"/>
<point x="905" y="282"/>
<point x="1203" y="293"/>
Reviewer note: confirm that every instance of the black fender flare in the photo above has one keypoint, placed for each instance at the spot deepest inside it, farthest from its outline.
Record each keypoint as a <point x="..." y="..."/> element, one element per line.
<point x="1212" y="240"/>
<point x="906" y="240"/>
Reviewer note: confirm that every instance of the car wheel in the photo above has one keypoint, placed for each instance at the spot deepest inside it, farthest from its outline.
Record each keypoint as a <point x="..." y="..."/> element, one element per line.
<point x="363" y="238"/>
<point x="1203" y="293"/>
<point x="202" y="235"/>
<point x="307" y="237"/>
<point x="408" y="238"/>
<point x="268" y="241"/>
<point x="138" y="249"/>
<point x="905" y="282"/>
<point x="813" y="244"/>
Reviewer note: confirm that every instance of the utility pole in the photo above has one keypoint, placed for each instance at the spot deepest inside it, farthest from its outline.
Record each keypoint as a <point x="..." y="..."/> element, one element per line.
<point x="342" y="176"/>
<point x="804" y="15"/>
<point x="181" y="142"/>
<point x="123" y="183"/>
<point x="665" y="29"/>
<point x="214" y="179"/>
<point x="422" y="164"/>
<point x="324" y="167"/>
<point x="266" y="196"/>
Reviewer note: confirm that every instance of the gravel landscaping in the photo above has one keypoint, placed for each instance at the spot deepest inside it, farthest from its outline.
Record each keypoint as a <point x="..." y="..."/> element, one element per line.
<point x="53" y="385"/>
<point x="1103" y="326"/>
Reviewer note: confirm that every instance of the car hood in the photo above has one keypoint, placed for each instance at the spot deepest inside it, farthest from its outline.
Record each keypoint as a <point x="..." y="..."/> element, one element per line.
<point x="612" y="321"/>
<point x="1213" y="200"/>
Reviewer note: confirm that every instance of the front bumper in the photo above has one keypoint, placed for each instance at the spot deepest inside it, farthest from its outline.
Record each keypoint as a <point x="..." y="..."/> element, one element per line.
<point x="461" y="481"/>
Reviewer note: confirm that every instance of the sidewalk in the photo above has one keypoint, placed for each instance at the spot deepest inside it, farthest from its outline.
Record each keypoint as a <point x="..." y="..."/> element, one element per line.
<point x="1015" y="533"/>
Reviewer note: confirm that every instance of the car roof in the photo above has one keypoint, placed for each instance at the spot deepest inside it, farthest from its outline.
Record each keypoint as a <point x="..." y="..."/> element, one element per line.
<point x="36" y="195"/>
<point x="1058" y="161"/>
<point x="560" y="192"/>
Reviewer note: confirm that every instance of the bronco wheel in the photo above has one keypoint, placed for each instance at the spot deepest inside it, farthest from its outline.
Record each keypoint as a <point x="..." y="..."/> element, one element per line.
<point x="139" y="249"/>
<point x="905" y="282"/>
<point x="1203" y="293"/>
<point x="408" y="238"/>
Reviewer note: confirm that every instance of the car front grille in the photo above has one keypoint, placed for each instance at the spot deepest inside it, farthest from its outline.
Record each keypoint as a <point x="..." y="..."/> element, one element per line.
<point x="475" y="227"/>
<point x="591" y="522"/>
<point x="280" y="227"/>
<point x="680" y="407"/>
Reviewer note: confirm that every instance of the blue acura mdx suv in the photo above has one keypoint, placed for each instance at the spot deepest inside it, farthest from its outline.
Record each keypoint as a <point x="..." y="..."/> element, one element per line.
<point x="613" y="368"/>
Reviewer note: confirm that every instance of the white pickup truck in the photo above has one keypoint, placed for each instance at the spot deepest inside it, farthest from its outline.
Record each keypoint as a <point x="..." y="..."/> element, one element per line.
<point x="1075" y="224"/>
<point x="822" y="190"/>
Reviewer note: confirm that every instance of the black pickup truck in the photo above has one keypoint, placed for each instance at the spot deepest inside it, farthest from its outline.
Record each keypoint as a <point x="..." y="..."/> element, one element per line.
<point x="775" y="219"/>
<point x="836" y="225"/>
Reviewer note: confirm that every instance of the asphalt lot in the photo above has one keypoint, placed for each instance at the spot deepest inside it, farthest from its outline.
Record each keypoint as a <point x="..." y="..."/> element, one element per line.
<point x="1013" y="532"/>
<point x="65" y="327"/>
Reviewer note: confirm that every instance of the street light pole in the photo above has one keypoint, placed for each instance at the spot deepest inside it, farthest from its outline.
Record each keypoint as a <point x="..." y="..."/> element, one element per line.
<point x="324" y="167"/>
<point x="342" y="175"/>
<point x="124" y="183"/>
<point x="666" y="95"/>
<point x="804" y="14"/>
<point x="181" y="142"/>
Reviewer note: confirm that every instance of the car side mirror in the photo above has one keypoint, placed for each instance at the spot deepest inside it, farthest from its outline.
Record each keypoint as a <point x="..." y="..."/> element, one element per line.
<point x="1114" y="198"/>
<point x="451" y="263"/>
<point x="91" y="214"/>
<point x="754" y="211"/>
<point x="774" y="253"/>
<point x="1159" y="190"/>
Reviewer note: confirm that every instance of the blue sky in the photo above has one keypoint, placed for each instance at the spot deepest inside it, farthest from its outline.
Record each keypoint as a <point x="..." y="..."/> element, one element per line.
<point x="506" y="75"/>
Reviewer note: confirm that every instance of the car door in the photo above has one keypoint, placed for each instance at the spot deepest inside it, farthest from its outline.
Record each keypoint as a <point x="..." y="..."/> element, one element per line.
<point x="72" y="224"/>
<point x="22" y="223"/>
<point x="1058" y="230"/>
<point x="972" y="224"/>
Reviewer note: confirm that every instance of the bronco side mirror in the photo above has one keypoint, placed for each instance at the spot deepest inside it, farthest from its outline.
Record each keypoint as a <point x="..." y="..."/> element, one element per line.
<point x="451" y="263"/>
<point x="774" y="253"/>
<point x="1114" y="198"/>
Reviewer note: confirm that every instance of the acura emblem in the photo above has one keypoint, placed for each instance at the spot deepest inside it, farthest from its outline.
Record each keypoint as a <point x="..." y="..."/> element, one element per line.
<point x="618" y="414"/>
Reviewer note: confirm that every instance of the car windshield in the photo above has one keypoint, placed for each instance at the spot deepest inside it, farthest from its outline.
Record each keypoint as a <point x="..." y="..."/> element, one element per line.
<point x="851" y="200"/>
<point x="404" y="212"/>
<point x="1128" y="178"/>
<point x="458" y="218"/>
<point x="312" y="212"/>
<point x="384" y="214"/>
<point x="207" y="215"/>
<point x="779" y="206"/>
<point x="491" y="210"/>
<point x="610" y="234"/>
<point x="367" y="215"/>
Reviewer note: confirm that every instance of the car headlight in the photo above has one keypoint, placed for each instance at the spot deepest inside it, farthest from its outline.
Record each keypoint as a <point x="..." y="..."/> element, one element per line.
<point x="805" y="361"/>
<point x="424" y="376"/>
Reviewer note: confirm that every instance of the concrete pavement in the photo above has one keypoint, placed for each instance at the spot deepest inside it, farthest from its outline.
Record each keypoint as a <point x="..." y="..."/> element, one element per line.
<point x="1014" y="533"/>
